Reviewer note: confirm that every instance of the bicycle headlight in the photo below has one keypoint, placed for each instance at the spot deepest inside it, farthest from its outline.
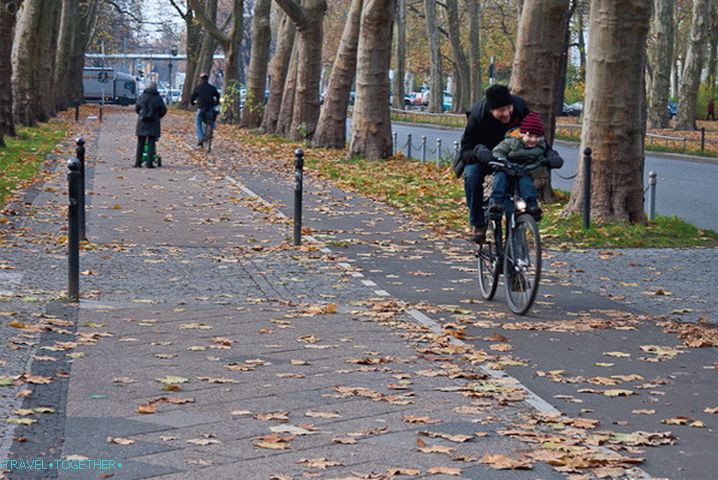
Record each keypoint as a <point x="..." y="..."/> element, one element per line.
<point x="520" y="205"/>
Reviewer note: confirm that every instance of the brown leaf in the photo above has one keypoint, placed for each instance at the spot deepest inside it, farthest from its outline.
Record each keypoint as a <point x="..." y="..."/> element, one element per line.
<point x="502" y="462"/>
<point x="437" y="449"/>
<point x="444" y="471"/>
<point x="279" y="416"/>
<point x="420" y="420"/>
<point x="320" y="463"/>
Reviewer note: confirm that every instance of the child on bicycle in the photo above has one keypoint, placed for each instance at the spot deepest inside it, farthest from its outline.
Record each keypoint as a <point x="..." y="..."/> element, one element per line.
<point x="522" y="145"/>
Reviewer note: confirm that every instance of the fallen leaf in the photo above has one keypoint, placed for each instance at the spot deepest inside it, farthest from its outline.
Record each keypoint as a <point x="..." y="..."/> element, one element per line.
<point x="120" y="440"/>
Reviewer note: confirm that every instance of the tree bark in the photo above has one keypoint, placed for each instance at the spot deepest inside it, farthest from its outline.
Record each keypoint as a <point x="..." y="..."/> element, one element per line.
<point x="25" y="63"/>
<point x="687" y="100"/>
<point x="49" y="30"/>
<point x="580" y="40"/>
<point x="563" y="68"/>
<point x="713" y="50"/>
<point x="331" y="129"/>
<point x="207" y="46"/>
<point x="436" y="97"/>
<point x="286" y="109"/>
<point x="400" y="54"/>
<point x="612" y="124"/>
<point x="476" y="89"/>
<point x="536" y="68"/>
<point x="308" y="19"/>
<point x="88" y="11"/>
<point x="8" y="11"/>
<point x="63" y="57"/>
<point x="258" y="64"/>
<point x="463" y="80"/>
<point x="278" y="72"/>
<point x="371" y="124"/>
<point x="660" y="53"/>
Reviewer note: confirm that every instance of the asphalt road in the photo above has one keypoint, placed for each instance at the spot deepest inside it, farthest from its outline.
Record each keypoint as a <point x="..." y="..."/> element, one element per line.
<point x="686" y="187"/>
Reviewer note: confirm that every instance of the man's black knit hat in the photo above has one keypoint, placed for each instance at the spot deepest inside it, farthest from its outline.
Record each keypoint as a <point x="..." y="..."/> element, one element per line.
<point x="497" y="96"/>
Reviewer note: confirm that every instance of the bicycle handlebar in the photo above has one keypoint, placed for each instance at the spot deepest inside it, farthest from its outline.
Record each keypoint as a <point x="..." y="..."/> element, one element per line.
<point x="517" y="169"/>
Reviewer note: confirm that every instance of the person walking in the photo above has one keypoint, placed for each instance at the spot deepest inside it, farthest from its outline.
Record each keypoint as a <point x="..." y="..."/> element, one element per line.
<point x="150" y="109"/>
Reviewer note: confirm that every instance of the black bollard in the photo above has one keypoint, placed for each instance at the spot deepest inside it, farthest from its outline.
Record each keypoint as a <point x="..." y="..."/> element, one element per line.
<point x="586" y="188"/>
<point x="703" y="138"/>
<point x="298" y="179"/>
<point x="73" y="244"/>
<point x="80" y="154"/>
<point x="77" y="111"/>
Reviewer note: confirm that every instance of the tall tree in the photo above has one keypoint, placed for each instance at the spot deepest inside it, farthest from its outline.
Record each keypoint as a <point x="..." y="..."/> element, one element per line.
<point x="278" y="72"/>
<point x="563" y="69"/>
<point x="612" y="123"/>
<point x="207" y="45"/>
<point x="474" y="10"/>
<point x="461" y="64"/>
<point x="88" y="13"/>
<point x="331" y="129"/>
<point x="63" y="57"/>
<point x="713" y="50"/>
<point x="660" y="57"/>
<point x="436" y="84"/>
<point x="258" y="64"/>
<point x="688" y="97"/>
<point x="308" y="19"/>
<point x="8" y="11"/>
<point x="49" y="30"/>
<point x="192" y="45"/>
<point x="286" y="110"/>
<point x="537" y="64"/>
<point x="400" y="54"/>
<point x="371" y="124"/>
<point x="25" y="63"/>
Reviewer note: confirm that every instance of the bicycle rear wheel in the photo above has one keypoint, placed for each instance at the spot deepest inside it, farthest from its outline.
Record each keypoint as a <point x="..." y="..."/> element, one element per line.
<point x="209" y="133"/>
<point x="522" y="265"/>
<point x="488" y="260"/>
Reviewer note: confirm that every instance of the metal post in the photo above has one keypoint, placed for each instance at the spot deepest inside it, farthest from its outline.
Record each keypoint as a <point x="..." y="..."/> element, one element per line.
<point x="408" y="148"/>
<point x="77" y="111"/>
<point x="423" y="149"/>
<point x="80" y="154"/>
<point x="394" y="139"/>
<point x="438" y="152"/>
<point x="298" y="174"/>
<point x="703" y="138"/>
<point x="456" y="148"/>
<point x="586" y="188"/>
<point x="73" y="218"/>
<point x="652" y="180"/>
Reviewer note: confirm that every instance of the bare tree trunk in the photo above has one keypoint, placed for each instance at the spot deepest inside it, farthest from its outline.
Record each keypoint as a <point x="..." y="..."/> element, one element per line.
<point x="63" y="57"/>
<point x="25" y="63"/>
<point x="694" y="64"/>
<point x="563" y="68"/>
<point x="331" y="129"/>
<point x="286" y="110"/>
<point x="49" y="29"/>
<point x="615" y="83"/>
<point x="436" y="97"/>
<point x="208" y="44"/>
<point x="463" y="80"/>
<point x="476" y="89"/>
<point x="8" y="11"/>
<point x="400" y="56"/>
<point x="258" y="64"/>
<point x="713" y="50"/>
<point x="371" y="124"/>
<point x="278" y="72"/>
<point x="308" y="19"/>
<point x="581" y="10"/>
<point x="88" y="11"/>
<point x="536" y="67"/>
<point x="660" y="53"/>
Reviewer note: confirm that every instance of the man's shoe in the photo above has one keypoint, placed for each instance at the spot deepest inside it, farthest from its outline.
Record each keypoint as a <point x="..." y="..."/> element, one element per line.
<point x="478" y="234"/>
<point x="200" y="143"/>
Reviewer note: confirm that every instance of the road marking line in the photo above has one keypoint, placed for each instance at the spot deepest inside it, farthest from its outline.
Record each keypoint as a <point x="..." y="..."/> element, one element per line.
<point x="382" y="293"/>
<point x="369" y="283"/>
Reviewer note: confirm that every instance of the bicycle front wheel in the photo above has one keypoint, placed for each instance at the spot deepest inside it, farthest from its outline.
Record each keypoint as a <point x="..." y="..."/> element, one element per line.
<point x="522" y="265"/>
<point x="488" y="260"/>
<point x="208" y="139"/>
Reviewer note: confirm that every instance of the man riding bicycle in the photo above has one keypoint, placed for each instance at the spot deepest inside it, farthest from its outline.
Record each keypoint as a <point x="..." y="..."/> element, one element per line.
<point x="206" y="96"/>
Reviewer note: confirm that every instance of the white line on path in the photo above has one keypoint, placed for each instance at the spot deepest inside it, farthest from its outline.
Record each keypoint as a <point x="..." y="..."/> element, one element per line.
<point x="531" y="398"/>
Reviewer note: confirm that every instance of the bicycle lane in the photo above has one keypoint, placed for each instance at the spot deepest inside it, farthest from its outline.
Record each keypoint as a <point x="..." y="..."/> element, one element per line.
<point x="582" y="353"/>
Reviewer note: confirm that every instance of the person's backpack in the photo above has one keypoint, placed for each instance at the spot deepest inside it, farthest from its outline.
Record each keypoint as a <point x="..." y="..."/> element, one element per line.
<point x="147" y="112"/>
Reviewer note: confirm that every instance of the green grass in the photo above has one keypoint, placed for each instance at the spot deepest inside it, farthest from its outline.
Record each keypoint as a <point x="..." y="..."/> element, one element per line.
<point x="22" y="156"/>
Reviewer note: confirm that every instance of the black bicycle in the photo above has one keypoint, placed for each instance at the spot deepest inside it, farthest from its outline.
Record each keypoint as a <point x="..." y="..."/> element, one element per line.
<point x="208" y="119"/>
<point x="517" y="253"/>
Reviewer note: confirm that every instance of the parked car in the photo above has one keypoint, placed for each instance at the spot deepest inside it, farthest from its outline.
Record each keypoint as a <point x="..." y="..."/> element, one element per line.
<point x="573" y="110"/>
<point x="672" y="109"/>
<point x="409" y="98"/>
<point x="448" y="100"/>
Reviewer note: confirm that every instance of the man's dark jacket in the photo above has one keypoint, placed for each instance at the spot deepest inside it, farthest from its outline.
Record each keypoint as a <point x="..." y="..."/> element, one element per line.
<point x="150" y="128"/>
<point x="483" y="129"/>
<point x="206" y="96"/>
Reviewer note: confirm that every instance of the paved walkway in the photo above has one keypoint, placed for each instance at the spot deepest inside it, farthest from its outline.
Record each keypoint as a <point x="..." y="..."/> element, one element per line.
<point x="205" y="347"/>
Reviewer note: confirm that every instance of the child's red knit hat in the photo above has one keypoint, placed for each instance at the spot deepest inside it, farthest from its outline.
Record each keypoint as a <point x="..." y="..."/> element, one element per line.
<point x="532" y="123"/>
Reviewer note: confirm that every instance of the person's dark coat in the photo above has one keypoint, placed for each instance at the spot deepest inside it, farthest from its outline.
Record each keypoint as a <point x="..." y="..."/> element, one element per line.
<point x="205" y="95"/>
<point x="483" y="129"/>
<point x="150" y="127"/>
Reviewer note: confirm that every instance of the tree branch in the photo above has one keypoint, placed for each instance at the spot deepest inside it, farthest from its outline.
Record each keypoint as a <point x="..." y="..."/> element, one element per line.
<point x="223" y="39"/>
<point x="179" y="10"/>
<point x="294" y="11"/>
